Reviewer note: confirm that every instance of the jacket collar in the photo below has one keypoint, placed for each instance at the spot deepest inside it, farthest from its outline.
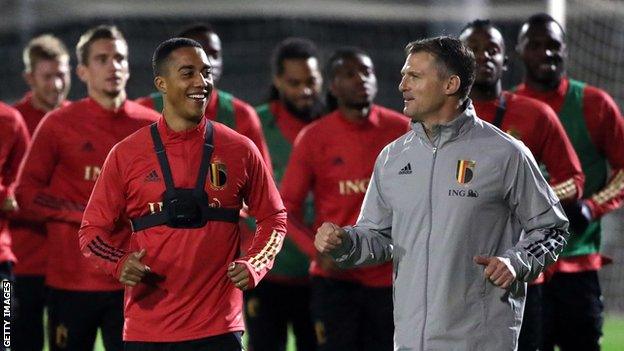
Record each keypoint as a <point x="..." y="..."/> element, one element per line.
<point x="444" y="133"/>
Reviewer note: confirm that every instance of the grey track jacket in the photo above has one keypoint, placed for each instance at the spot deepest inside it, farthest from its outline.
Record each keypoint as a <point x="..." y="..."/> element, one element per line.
<point x="432" y="206"/>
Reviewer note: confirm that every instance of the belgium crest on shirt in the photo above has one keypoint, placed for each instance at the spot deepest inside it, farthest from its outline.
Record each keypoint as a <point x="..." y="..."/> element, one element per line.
<point x="465" y="171"/>
<point x="218" y="175"/>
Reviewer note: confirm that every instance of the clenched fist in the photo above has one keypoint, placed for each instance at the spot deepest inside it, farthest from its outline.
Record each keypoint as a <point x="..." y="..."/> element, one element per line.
<point x="329" y="237"/>
<point x="133" y="271"/>
<point x="239" y="275"/>
<point x="496" y="271"/>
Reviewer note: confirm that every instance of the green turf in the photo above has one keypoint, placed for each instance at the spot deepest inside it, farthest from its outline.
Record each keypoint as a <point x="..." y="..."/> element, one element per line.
<point x="613" y="336"/>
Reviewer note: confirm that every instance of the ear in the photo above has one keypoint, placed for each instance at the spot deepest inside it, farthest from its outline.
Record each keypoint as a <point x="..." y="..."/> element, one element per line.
<point x="160" y="84"/>
<point x="505" y="62"/>
<point x="82" y="72"/>
<point x="28" y="77"/>
<point x="277" y="82"/>
<point x="452" y="85"/>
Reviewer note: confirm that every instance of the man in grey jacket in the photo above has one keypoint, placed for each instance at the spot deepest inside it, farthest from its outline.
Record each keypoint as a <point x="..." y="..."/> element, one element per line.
<point x="460" y="207"/>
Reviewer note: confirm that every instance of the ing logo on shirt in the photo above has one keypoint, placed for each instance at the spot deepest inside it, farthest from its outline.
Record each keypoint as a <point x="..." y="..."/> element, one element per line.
<point x="465" y="171"/>
<point x="218" y="175"/>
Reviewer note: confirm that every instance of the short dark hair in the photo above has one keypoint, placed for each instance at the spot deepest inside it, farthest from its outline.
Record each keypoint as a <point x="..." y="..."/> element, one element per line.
<point x="477" y="24"/>
<point x="341" y="54"/>
<point x="164" y="50"/>
<point x="292" y="48"/>
<point x="335" y="60"/>
<point x="100" y="32"/>
<point x="195" y="30"/>
<point x="289" y="49"/>
<point x="451" y="56"/>
<point x="484" y="24"/>
<point x="539" y="19"/>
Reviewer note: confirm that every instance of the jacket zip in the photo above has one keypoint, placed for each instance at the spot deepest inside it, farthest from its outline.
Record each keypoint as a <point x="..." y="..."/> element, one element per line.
<point x="434" y="150"/>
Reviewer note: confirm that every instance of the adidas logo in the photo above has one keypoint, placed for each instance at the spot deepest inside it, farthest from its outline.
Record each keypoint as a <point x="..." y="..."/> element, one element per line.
<point x="88" y="147"/>
<point x="152" y="177"/>
<point x="406" y="170"/>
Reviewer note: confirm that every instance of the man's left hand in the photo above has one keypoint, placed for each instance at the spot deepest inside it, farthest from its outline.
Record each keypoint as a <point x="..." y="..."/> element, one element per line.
<point x="239" y="275"/>
<point x="9" y="204"/>
<point x="496" y="271"/>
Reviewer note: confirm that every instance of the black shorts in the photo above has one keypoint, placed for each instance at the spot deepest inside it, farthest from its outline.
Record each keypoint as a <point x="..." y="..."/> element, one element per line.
<point x="569" y="314"/>
<point x="224" y="342"/>
<point x="270" y="308"/>
<point x="349" y="316"/>
<point x="30" y="295"/>
<point x="75" y="316"/>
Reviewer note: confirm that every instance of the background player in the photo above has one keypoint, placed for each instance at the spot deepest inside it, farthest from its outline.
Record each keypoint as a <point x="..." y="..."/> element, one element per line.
<point x="55" y="183"/>
<point x="352" y="309"/>
<point x="47" y="73"/>
<point x="571" y="299"/>
<point x="283" y="298"/>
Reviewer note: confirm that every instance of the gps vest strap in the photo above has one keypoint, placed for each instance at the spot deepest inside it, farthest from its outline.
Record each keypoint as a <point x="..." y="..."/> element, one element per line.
<point x="209" y="213"/>
<point x="500" y="111"/>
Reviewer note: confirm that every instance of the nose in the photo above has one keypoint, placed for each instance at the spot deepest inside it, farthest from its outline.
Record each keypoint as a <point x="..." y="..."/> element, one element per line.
<point x="481" y="55"/>
<point x="204" y="80"/>
<point x="58" y="83"/>
<point x="306" y="91"/>
<point x="549" y="53"/>
<point x="402" y="85"/>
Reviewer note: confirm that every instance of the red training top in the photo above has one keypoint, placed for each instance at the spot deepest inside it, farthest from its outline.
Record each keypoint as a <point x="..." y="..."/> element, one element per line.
<point x="334" y="158"/>
<point x="606" y="130"/>
<point x="539" y="128"/>
<point x="29" y="238"/>
<point x="13" y="144"/>
<point x="191" y="296"/>
<point x="58" y="174"/>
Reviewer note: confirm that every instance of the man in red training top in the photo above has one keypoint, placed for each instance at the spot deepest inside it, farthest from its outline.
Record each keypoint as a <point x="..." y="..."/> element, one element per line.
<point x="282" y="300"/>
<point x="333" y="158"/>
<point x="46" y="71"/>
<point x="222" y="107"/>
<point x="13" y="144"/>
<point x="571" y="301"/>
<point x="182" y="182"/>
<point x="56" y="180"/>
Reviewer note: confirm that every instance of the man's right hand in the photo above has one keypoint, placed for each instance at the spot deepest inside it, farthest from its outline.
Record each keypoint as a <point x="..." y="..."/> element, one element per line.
<point x="133" y="271"/>
<point x="329" y="237"/>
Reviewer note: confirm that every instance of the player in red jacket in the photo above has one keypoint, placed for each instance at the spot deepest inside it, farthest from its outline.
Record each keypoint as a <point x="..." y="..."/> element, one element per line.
<point x="222" y="107"/>
<point x="183" y="273"/>
<point x="571" y="300"/>
<point x="55" y="182"/>
<point x="333" y="158"/>
<point x="13" y="144"/>
<point x="46" y="71"/>
<point x="282" y="300"/>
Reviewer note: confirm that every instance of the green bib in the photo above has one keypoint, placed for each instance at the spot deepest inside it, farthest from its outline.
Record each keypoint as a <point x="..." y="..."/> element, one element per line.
<point x="594" y="166"/>
<point x="290" y="261"/>
<point x="225" y="107"/>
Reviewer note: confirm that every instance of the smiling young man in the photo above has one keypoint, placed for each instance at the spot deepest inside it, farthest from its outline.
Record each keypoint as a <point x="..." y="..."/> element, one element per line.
<point x="182" y="183"/>
<point x="571" y="301"/>
<point x="333" y="158"/>
<point x="46" y="71"/>
<point x="56" y="180"/>
<point x="222" y="107"/>
<point x="282" y="299"/>
<point x="451" y="202"/>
